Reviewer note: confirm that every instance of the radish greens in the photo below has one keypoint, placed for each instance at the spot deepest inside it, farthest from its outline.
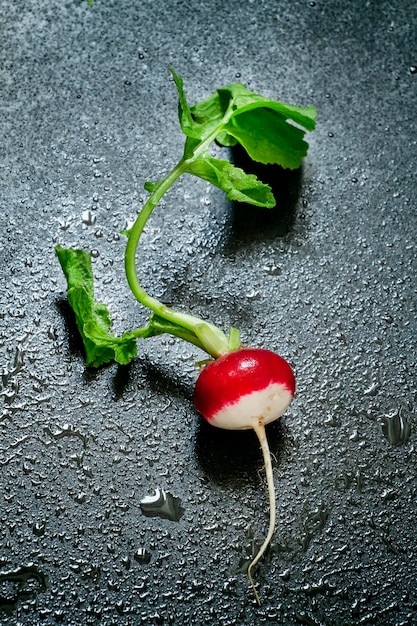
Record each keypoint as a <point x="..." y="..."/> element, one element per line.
<point x="270" y="132"/>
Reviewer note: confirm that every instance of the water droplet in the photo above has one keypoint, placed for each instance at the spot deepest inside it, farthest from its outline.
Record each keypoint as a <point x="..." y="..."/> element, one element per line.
<point x="126" y="562"/>
<point x="305" y="618"/>
<point x="67" y="430"/>
<point x="80" y="497"/>
<point x="253" y="295"/>
<point x="396" y="428"/>
<point x="272" y="270"/>
<point x="162" y="504"/>
<point x="21" y="583"/>
<point x="39" y="529"/>
<point x="88" y="218"/>
<point x="64" y="224"/>
<point x="372" y="389"/>
<point x="142" y="555"/>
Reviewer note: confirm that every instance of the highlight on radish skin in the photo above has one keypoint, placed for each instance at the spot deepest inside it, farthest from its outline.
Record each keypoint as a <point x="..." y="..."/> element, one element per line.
<point x="247" y="388"/>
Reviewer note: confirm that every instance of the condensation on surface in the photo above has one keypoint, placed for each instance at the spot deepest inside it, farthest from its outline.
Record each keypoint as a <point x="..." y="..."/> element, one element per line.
<point x="327" y="279"/>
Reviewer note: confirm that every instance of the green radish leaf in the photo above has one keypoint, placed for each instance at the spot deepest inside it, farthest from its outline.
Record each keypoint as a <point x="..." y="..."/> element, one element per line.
<point x="236" y="98"/>
<point x="226" y="140"/>
<point x="92" y="318"/>
<point x="238" y="185"/>
<point x="233" y="114"/>
<point x="187" y="123"/>
<point x="259" y="124"/>
<point x="149" y="186"/>
<point x="242" y="99"/>
<point x="268" y="138"/>
<point x="210" y="114"/>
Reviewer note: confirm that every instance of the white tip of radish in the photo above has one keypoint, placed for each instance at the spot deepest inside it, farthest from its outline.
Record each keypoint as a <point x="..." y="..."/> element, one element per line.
<point x="253" y="408"/>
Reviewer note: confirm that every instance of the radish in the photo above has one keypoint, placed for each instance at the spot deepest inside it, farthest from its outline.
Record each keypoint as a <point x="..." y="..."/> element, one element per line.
<point x="243" y="389"/>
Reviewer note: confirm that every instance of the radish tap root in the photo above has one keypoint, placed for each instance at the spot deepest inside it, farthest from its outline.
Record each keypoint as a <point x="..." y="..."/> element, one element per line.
<point x="261" y="434"/>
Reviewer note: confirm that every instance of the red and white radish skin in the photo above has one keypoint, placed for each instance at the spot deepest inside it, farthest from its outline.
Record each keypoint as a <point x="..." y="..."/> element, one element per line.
<point x="244" y="389"/>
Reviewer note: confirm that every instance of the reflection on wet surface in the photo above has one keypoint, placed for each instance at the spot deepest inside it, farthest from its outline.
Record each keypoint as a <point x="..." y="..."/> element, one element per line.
<point x="396" y="428"/>
<point x="162" y="504"/>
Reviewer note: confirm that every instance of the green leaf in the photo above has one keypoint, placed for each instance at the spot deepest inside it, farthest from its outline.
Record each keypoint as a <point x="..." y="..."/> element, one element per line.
<point x="265" y="128"/>
<point x="246" y="100"/>
<point x="92" y="318"/>
<point x="149" y="186"/>
<point x="236" y="98"/>
<point x="268" y="138"/>
<point x="238" y="185"/>
<point x="186" y="121"/>
<point x="212" y="112"/>
<point x="268" y="130"/>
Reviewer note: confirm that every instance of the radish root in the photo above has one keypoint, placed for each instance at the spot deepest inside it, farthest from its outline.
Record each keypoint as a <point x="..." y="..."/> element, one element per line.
<point x="261" y="434"/>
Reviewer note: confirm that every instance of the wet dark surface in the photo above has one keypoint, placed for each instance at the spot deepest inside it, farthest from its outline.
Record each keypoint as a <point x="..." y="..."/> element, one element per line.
<point x="88" y="114"/>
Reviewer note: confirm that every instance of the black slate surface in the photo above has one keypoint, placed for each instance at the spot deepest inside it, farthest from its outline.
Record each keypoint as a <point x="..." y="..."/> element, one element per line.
<point x="88" y="114"/>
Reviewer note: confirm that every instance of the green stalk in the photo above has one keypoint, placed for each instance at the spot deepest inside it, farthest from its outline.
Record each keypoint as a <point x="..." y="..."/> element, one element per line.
<point x="130" y="254"/>
<point x="189" y="327"/>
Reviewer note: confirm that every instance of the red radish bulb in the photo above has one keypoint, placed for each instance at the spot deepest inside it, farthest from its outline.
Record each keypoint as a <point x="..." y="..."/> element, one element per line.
<point x="245" y="389"/>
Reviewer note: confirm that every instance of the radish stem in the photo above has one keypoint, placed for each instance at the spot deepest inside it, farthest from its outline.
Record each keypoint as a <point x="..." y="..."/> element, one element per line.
<point x="261" y="434"/>
<point x="189" y="327"/>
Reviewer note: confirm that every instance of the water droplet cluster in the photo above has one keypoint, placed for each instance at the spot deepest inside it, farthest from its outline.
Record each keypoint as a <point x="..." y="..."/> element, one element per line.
<point x="327" y="279"/>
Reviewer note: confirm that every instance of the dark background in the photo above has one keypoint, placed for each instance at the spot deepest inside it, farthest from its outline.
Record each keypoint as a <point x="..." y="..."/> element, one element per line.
<point x="88" y="114"/>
